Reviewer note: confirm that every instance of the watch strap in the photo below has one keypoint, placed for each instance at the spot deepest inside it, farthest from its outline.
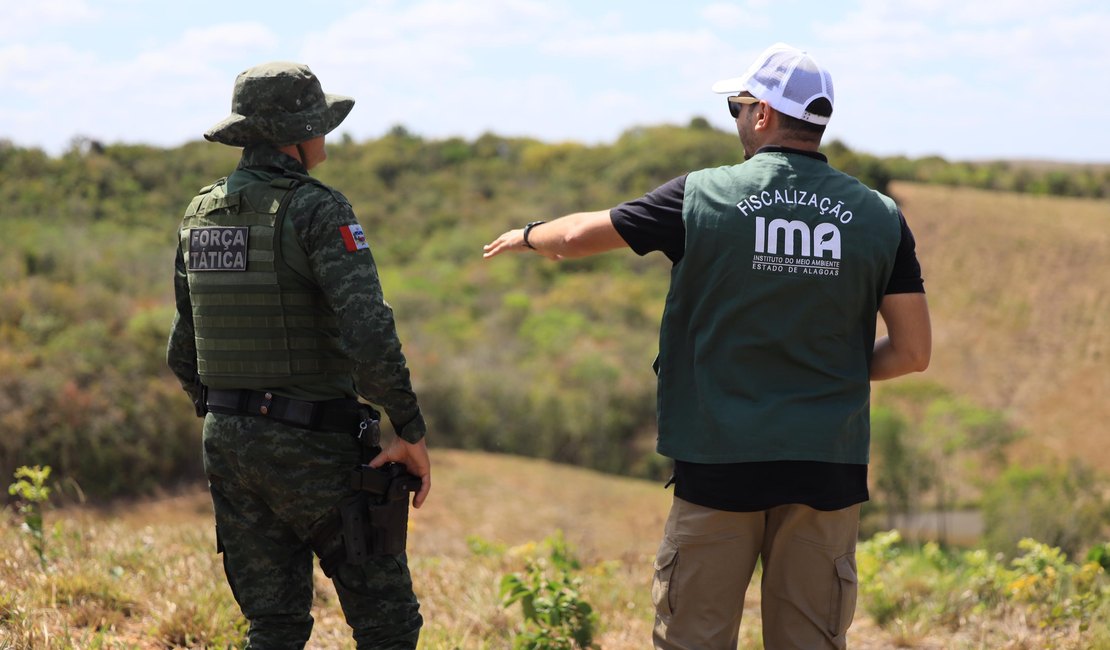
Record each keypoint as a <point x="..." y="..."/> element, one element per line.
<point x="527" y="229"/>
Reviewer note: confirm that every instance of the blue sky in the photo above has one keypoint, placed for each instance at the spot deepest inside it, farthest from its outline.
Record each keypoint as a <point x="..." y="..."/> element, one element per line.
<point x="967" y="81"/>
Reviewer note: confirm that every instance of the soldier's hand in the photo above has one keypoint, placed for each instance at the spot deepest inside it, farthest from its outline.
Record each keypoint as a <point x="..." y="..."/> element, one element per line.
<point x="415" y="459"/>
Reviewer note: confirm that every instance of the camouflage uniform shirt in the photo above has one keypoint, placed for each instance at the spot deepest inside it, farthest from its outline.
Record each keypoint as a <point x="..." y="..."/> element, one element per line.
<point x="316" y="217"/>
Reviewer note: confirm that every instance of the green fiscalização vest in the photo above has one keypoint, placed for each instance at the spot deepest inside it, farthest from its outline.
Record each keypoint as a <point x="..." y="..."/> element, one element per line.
<point x="260" y="321"/>
<point x="769" y="324"/>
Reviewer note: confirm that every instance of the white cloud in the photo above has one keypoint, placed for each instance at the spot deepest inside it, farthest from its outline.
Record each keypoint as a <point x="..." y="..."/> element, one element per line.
<point x="657" y="51"/>
<point x="38" y="70"/>
<point x="970" y="14"/>
<point x="221" y="42"/>
<point x="727" y="15"/>
<point x="400" y="50"/>
<point x="24" y="19"/>
<point x="148" y="97"/>
<point x="437" y="27"/>
<point x="921" y="45"/>
<point x="509" y="66"/>
<point x="909" y="75"/>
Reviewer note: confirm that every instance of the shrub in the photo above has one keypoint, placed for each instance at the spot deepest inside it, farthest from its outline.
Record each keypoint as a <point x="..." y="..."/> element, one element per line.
<point x="1063" y="506"/>
<point x="556" y="617"/>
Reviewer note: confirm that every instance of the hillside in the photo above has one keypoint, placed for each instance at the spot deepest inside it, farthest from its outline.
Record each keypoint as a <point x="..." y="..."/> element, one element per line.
<point x="145" y="575"/>
<point x="1019" y="288"/>
<point x="517" y="354"/>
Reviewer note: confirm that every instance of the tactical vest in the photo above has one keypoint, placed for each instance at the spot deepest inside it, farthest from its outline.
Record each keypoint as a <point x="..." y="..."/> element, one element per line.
<point x="769" y="324"/>
<point x="260" y="320"/>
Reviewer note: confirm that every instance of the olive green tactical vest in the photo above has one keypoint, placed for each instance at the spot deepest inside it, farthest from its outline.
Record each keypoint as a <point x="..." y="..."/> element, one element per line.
<point x="769" y="324"/>
<point x="259" y="322"/>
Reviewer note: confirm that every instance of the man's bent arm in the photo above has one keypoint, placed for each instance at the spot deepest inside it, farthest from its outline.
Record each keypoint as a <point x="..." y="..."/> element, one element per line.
<point x="576" y="235"/>
<point x="909" y="341"/>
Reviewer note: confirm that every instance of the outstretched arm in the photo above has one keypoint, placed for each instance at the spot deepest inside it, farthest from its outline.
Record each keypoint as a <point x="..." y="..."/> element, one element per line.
<point x="575" y="235"/>
<point x="909" y="341"/>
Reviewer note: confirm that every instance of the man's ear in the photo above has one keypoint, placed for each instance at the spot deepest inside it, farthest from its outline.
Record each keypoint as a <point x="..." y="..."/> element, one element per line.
<point x="764" y="116"/>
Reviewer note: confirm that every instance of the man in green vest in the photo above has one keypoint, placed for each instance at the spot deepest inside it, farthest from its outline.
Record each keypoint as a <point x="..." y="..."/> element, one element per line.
<point x="766" y="353"/>
<point x="280" y="327"/>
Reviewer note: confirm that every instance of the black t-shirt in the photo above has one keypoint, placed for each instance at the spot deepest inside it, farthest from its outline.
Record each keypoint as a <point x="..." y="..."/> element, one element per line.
<point x="653" y="222"/>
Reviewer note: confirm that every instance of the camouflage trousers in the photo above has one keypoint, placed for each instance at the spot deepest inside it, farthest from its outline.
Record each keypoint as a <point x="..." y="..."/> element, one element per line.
<point x="272" y="485"/>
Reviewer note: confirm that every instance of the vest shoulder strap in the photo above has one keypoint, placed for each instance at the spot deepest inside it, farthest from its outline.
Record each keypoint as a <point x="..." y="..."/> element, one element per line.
<point x="200" y="203"/>
<point x="293" y="179"/>
<point x="208" y="188"/>
<point x="285" y="182"/>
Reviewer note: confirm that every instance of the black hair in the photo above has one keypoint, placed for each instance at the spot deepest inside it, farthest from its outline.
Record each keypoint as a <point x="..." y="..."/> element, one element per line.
<point x="808" y="130"/>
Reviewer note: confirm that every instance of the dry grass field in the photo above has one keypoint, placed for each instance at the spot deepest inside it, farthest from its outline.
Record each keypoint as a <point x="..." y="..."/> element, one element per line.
<point x="1019" y="289"/>
<point x="145" y="576"/>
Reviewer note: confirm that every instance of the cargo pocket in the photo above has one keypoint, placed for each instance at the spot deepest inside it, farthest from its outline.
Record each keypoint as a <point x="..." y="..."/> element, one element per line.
<point x="662" y="592"/>
<point x="844" y="597"/>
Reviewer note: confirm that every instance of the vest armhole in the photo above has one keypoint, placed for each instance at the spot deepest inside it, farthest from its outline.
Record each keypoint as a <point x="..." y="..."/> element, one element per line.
<point x="194" y="206"/>
<point x="289" y="184"/>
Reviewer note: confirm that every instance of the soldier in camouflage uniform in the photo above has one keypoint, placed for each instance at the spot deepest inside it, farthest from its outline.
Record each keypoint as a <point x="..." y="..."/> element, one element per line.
<point x="280" y="326"/>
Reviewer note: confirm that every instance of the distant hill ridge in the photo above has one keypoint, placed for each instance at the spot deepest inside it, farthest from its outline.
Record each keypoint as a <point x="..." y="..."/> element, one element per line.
<point x="518" y="355"/>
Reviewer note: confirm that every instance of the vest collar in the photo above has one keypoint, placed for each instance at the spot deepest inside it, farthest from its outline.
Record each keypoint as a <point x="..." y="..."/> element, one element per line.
<point x="264" y="155"/>
<point x="774" y="148"/>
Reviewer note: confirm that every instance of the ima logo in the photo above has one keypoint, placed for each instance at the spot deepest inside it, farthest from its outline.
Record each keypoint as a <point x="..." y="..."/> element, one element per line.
<point x="796" y="236"/>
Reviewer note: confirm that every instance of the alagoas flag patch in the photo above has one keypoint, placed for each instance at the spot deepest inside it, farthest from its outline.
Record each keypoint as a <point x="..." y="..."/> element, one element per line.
<point x="353" y="237"/>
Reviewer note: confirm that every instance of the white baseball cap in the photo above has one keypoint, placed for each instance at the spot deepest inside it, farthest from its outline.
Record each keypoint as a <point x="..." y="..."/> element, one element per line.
<point x="786" y="78"/>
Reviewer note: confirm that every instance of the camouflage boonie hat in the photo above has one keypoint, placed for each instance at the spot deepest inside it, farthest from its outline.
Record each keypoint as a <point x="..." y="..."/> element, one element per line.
<point x="279" y="103"/>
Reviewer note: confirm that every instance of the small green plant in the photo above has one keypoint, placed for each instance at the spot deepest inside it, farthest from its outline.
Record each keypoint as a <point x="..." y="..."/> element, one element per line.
<point x="30" y="487"/>
<point x="556" y="617"/>
<point x="484" y="547"/>
<point x="1100" y="555"/>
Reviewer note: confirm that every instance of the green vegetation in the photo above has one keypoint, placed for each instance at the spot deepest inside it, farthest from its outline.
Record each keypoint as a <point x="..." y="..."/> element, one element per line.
<point x="556" y="617"/>
<point x="524" y="356"/>
<point x="1024" y="177"/>
<point x="30" y="487"/>
<point x="1062" y="505"/>
<point x="972" y="594"/>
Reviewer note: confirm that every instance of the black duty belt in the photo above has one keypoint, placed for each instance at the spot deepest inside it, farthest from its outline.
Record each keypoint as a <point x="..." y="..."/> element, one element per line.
<point x="344" y="415"/>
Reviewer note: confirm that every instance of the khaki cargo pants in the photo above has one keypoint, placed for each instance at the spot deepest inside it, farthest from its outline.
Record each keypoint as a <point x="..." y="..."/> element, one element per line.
<point x="706" y="561"/>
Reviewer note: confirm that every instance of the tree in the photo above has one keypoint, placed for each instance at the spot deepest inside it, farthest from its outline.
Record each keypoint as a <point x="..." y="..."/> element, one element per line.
<point x="1062" y="506"/>
<point x="903" y="472"/>
<point x="964" y="442"/>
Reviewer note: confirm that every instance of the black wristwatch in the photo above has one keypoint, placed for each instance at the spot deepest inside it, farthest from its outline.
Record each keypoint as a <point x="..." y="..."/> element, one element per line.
<point x="527" y="229"/>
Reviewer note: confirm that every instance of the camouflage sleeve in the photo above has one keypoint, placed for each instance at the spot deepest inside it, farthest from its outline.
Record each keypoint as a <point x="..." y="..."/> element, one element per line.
<point x="344" y="267"/>
<point x="181" y="351"/>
